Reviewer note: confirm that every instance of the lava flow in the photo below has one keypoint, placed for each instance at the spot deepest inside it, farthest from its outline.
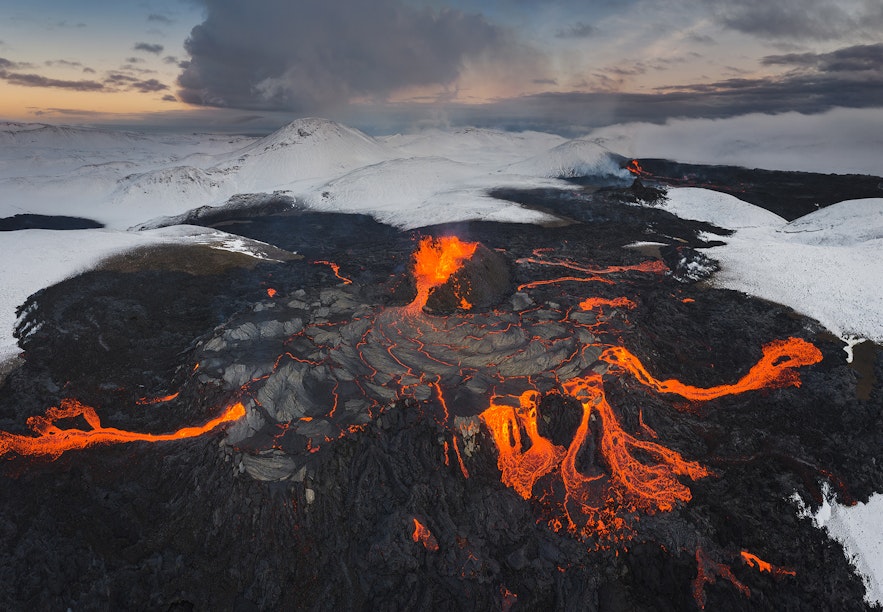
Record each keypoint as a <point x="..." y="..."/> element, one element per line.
<point x="775" y="369"/>
<point x="424" y="536"/>
<point x="52" y="441"/>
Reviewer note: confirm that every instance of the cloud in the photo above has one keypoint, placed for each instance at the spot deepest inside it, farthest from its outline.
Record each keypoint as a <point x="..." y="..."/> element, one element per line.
<point x="857" y="58"/>
<point x="6" y="64"/>
<point x="701" y="39"/>
<point x="156" y="18"/>
<point x="36" y="80"/>
<point x="169" y="98"/>
<point x="312" y="55"/>
<point x="170" y="59"/>
<point x="148" y="86"/>
<point x="149" y="48"/>
<point x="800" y="19"/>
<point x="573" y="113"/>
<point x="63" y="62"/>
<point x="577" y="30"/>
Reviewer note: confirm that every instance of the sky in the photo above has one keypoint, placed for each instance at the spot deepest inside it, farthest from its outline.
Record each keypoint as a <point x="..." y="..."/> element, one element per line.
<point x="556" y="65"/>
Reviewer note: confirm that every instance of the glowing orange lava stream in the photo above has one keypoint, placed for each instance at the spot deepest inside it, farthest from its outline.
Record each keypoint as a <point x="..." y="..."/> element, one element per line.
<point x="774" y="370"/>
<point x="336" y="269"/>
<point x="595" y="504"/>
<point x="51" y="441"/>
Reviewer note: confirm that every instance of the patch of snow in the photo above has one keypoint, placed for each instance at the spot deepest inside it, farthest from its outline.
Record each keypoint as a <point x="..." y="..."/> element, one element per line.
<point x="857" y="529"/>
<point x="826" y="265"/>
<point x="850" y="342"/>
<point x="721" y="209"/>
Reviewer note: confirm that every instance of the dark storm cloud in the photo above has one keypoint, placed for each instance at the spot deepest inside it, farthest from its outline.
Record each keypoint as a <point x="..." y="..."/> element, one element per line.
<point x="798" y="19"/>
<point x="148" y="47"/>
<point x="857" y="58"/>
<point x="577" y="30"/>
<point x="310" y="55"/>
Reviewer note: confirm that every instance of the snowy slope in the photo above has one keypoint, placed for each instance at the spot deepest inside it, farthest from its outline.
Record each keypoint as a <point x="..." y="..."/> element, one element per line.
<point x="846" y="223"/>
<point x="304" y="149"/>
<point x="721" y="209"/>
<point x="579" y="157"/>
<point x="423" y="191"/>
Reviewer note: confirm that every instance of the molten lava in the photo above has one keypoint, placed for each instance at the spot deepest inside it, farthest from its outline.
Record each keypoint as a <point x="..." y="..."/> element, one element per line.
<point x="764" y="566"/>
<point x="774" y="370"/>
<point x="635" y="168"/>
<point x="52" y="441"/>
<point x="707" y="571"/>
<point x="596" y="303"/>
<point x="336" y="269"/>
<point x="596" y="504"/>
<point x="271" y="292"/>
<point x="147" y="401"/>
<point x="434" y="263"/>
<point x="424" y="536"/>
<point x="521" y="465"/>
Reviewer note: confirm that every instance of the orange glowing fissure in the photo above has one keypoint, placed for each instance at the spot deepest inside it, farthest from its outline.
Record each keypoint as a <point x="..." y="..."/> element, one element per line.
<point x="336" y="269"/>
<point x="148" y="401"/>
<point x="424" y="536"/>
<point x="51" y="441"/>
<point x="596" y="302"/>
<point x="764" y="566"/>
<point x="635" y="168"/>
<point x="434" y="262"/>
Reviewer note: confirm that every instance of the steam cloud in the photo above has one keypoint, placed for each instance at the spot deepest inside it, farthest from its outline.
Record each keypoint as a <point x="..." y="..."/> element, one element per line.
<point x="312" y="55"/>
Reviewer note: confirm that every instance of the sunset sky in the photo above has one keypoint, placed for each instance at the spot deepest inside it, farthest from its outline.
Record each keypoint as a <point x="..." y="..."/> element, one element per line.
<point x="550" y="64"/>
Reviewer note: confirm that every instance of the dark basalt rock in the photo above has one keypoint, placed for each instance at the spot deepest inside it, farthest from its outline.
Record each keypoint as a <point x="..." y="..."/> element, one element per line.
<point x="50" y="222"/>
<point x="483" y="281"/>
